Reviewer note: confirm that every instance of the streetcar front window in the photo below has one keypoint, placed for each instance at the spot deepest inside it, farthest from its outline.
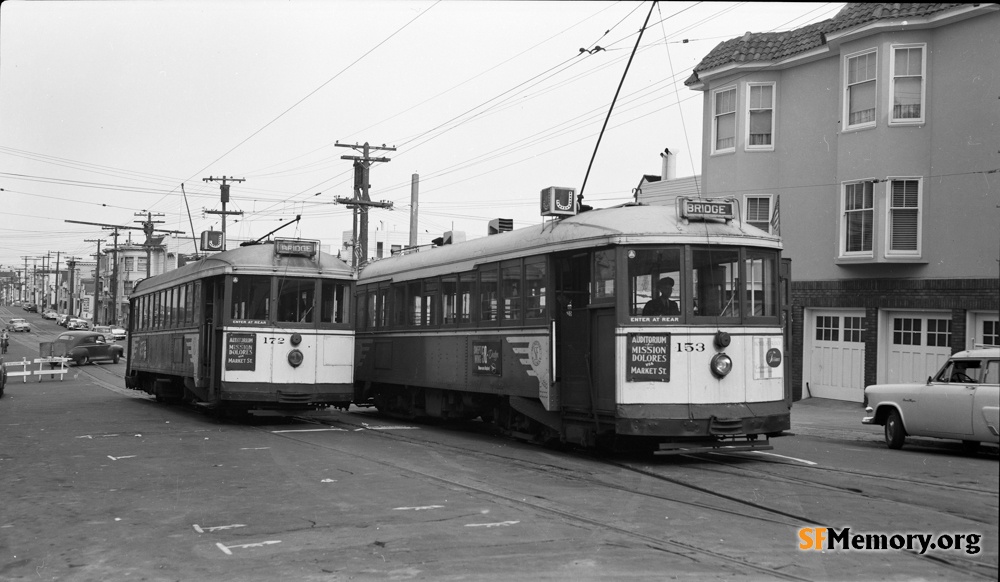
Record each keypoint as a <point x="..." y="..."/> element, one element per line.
<point x="654" y="276"/>
<point x="715" y="282"/>
<point x="605" y="268"/>
<point x="251" y="298"/>
<point x="296" y="298"/>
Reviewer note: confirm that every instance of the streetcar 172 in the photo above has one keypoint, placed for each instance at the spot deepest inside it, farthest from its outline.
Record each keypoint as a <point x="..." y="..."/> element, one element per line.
<point x="260" y="329"/>
<point x="637" y="326"/>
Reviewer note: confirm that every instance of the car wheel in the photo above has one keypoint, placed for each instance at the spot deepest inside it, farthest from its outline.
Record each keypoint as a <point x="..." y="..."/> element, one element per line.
<point x="971" y="447"/>
<point x="895" y="434"/>
<point x="82" y="360"/>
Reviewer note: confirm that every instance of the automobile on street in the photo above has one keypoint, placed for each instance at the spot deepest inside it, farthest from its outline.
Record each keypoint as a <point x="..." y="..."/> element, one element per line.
<point x="961" y="401"/>
<point x="83" y="347"/>
<point x="18" y="324"/>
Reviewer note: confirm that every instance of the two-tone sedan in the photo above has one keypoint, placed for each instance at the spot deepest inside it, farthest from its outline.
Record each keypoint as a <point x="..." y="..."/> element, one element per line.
<point x="83" y="347"/>
<point x="961" y="402"/>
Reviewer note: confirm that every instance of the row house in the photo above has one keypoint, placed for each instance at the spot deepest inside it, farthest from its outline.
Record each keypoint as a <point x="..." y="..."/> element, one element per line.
<point x="871" y="143"/>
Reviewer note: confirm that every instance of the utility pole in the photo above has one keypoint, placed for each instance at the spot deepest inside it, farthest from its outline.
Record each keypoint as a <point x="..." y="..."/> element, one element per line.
<point x="71" y="264"/>
<point x="24" y="292"/>
<point x="114" y="275"/>
<point x="56" y="306"/>
<point x="224" y="191"/>
<point x="97" y="277"/>
<point x="361" y="201"/>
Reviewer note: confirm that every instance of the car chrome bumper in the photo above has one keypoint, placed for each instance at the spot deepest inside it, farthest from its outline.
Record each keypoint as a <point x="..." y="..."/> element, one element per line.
<point x="870" y="419"/>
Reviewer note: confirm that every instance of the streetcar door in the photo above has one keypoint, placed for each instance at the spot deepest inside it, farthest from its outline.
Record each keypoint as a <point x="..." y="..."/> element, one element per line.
<point x="211" y="335"/>
<point x="582" y="362"/>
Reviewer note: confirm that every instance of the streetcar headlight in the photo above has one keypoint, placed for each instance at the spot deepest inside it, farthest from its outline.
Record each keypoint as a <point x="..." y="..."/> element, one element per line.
<point x="721" y="365"/>
<point x="295" y="358"/>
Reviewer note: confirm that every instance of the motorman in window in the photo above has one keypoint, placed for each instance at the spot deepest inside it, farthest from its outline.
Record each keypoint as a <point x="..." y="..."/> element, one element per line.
<point x="661" y="304"/>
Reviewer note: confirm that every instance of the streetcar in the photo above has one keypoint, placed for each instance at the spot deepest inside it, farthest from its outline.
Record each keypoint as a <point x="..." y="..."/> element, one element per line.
<point x="558" y="332"/>
<point x="260" y="329"/>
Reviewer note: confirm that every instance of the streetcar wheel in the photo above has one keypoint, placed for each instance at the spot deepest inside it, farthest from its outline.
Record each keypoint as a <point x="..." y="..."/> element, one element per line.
<point x="82" y="361"/>
<point x="971" y="447"/>
<point x="895" y="434"/>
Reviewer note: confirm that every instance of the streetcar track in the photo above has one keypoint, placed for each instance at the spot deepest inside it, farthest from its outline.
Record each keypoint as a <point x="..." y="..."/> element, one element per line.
<point x="676" y="548"/>
<point x="971" y="567"/>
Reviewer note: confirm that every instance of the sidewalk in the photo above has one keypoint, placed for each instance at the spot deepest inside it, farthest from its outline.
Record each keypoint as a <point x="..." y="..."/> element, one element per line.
<point x="832" y="418"/>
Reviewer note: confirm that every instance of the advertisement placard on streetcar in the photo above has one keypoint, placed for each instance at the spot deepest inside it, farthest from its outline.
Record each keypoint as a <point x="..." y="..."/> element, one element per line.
<point x="648" y="357"/>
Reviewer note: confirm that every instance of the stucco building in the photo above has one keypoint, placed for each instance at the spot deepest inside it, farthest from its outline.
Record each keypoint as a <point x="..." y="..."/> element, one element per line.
<point x="872" y="141"/>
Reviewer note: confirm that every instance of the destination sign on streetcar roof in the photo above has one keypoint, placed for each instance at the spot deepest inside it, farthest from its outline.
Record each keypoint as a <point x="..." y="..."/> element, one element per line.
<point x="296" y="247"/>
<point x="702" y="208"/>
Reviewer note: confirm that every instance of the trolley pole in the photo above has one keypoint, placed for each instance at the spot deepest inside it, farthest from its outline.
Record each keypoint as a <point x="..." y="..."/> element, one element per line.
<point x="224" y="192"/>
<point x="362" y="201"/>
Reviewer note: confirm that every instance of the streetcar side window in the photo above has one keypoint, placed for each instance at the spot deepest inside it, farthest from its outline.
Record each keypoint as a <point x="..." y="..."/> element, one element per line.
<point x="715" y="282"/>
<point x="296" y="300"/>
<point x="189" y="304"/>
<point x="431" y="303"/>
<point x="655" y="282"/>
<point x="761" y="287"/>
<point x="535" y="278"/>
<point x="333" y="307"/>
<point x="415" y="312"/>
<point x="488" y="294"/>
<point x="449" y="299"/>
<point x="251" y="298"/>
<point x="398" y="304"/>
<point x="605" y="268"/>
<point x="510" y="276"/>
<point x="466" y="286"/>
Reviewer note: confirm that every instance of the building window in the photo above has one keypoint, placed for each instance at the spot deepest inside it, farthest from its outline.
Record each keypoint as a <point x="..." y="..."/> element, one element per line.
<point x="939" y="332"/>
<point x="860" y="87"/>
<point x="828" y="328"/>
<point x="859" y="216"/>
<point x="907" y="84"/>
<point x="906" y="331"/>
<point x="760" y="116"/>
<point x="141" y="263"/>
<point x="724" y="120"/>
<point x="991" y="333"/>
<point x="759" y="212"/>
<point x="129" y="263"/>
<point x="903" y="227"/>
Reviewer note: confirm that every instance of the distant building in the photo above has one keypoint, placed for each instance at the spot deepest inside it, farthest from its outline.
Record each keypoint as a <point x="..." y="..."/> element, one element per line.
<point x="869" y="143"/>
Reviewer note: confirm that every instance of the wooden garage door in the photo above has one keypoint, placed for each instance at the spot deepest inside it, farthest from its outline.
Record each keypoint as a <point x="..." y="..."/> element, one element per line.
<point x="916" y="345"/>
<point x="834" y="355"/>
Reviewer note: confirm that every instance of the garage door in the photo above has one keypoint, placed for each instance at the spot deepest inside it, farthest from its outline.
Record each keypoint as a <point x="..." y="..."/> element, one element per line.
<point x="834" y="355"/>
<point x="984" y="328"/>
<point x="916" y="344"/>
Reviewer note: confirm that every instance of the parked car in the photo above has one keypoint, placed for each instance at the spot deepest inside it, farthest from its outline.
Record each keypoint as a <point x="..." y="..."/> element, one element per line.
<point x="961" y="401"/>
<point x="31" y="307"/>
<point x="62" y="319"/>
<point x="102" y="329"/>
<point x="83" y="347"/>
<point x="18" y="324"/>
<point x="50" y="315"/>
<point x="77" y="323"/>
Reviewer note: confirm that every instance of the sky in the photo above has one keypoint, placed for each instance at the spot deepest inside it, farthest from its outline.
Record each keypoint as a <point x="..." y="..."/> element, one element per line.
<point x="112" y="110"/>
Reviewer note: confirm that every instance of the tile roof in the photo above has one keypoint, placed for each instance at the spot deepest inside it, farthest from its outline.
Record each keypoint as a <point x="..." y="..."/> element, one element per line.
<point x="767" y="47"/>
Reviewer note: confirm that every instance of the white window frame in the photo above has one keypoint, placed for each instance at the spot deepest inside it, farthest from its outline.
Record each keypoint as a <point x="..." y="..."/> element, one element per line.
<point x="770" y="209"/>
<point x="889" y="251"/>
<point x="746" y="133"/>
<point x="893" y="120"/>
<point x="847" y="90"/>
<point x="842" y="223"/>
<point x="715" y="119"/>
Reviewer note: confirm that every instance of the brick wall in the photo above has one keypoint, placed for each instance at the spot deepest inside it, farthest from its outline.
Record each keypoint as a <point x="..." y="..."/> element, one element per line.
<point x="956" y="295"/>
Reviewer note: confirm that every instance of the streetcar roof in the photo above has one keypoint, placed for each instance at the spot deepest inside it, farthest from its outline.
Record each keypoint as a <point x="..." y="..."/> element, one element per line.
<point x="630" y="224"/>
<point x="257" y="259"/>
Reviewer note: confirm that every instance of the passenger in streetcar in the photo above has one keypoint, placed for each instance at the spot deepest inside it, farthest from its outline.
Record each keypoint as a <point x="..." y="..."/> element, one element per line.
<point x="662" y="305"/>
